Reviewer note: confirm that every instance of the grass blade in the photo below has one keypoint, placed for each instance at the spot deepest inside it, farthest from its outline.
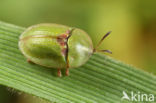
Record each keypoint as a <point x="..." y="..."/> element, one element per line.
<point x="102" y="79"/>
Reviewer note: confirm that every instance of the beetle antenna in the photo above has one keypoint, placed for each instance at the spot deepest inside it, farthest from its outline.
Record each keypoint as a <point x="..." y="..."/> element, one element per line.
<point x="95" y="49"/>
<point x="108" y="51"/>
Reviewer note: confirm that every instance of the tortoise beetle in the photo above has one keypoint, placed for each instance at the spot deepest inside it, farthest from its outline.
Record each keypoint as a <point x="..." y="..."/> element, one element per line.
<point x="57" y="46"/>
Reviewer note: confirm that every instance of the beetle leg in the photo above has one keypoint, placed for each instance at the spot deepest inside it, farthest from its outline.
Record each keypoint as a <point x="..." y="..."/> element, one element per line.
<point x="29" y="61"/>
<point x="67" y="68"/>
<point x="69" y="32"/>
<point x="59" y="74"/>
<point x="67" y="72"/>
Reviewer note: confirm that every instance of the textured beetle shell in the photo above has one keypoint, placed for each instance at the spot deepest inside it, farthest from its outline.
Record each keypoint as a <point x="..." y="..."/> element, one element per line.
<point x="48" y="52"/>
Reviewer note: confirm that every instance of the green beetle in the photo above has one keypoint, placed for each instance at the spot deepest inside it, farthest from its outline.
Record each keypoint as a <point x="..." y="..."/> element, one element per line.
<point x="57" y="46"/>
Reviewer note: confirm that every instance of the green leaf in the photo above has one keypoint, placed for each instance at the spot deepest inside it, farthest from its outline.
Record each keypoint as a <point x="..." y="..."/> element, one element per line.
<point x="102" y="79"/>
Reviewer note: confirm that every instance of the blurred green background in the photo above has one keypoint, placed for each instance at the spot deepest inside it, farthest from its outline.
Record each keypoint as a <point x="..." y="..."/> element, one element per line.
<point x="133" y="23"/>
